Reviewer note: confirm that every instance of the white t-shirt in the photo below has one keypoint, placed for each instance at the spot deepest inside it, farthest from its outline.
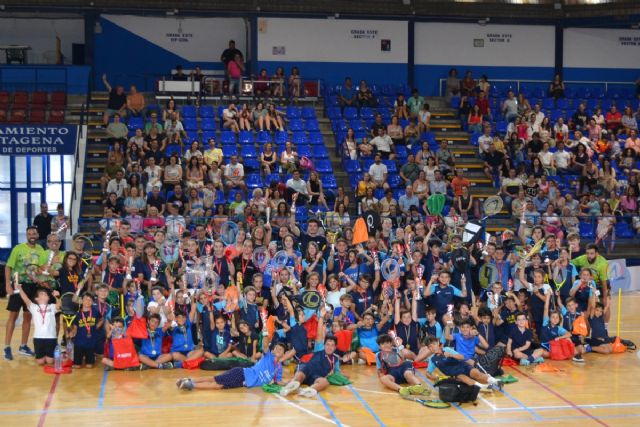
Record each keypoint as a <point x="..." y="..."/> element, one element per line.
<point x="163" y="317"/>
<point x="382" y="143"/>
<point x="545" y="158"/>
<point x="234" y="171"/>
<point x="378" y="172"/>
<point x="44" y="320"/>
<point x="562" y="159"/>
<point x="333" y="297"/>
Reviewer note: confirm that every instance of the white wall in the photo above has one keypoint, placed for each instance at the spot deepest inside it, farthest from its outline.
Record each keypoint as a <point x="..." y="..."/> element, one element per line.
<point x="601" y="48"/>
<point x="194" y="39"/>
<point x="502" y="45"/>
<point x="41" y="34"/>
<point x="331" y="40"/>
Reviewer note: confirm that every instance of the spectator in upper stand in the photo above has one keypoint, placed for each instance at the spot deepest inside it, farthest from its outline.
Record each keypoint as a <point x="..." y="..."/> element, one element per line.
<point x="229" y="54"/>
<point x="492" y="162"/>
<point x="562" y="159"/>
<point x="593" y="130"/>
<point x="230" y="118"/>
<point x="439" y="185"/>
<point x="485" y="140"/>
<point x="628" y="121"/>
<point x="560" y="130"/>
<point x="412" y="133"/>
<point x="296" y="184"/>
<point x="383" y="144"/>
<point x="379" y="173"/>
<point x="523" y="105"/>
<point x="444" y="158"/>
<point x="400" y="107"/>
<point x="153" y="123"/>
<point x="117" y="101"/>
<point x="365" y="96"/>
<point x="415" y="103"/>
<point x="234" y="175"/>
<point x="262" y="87"/>
<point x="474" y="120"/>
<point x="135" y="103"/>
<point x="483" y="85"/>
<point x="556" y="88"/>
<point x="178" y="199"/>
<point x="459" y="182"/>
<point x="407" y="200"/>
<point x="347" y="95"/>
<point x="537" y="110"/>
<point x="424" y="118"/>
<point x="235" y="68"/>
<point x="614" y="120"/>
<point x="483" y="104"/>
<point x="386" y="203"/>
<point x="179" y="75"/>
<point x="510" y="107"/>
<point x="197" y="75"/>
<point x="394" y="130"/>
<point x="510" y="187"/>
<point x="541" y="201"/>
<point x="213" y="154"/>
<point x="633" y="142"/>
<point x="546" y="158"/>
<point x="468" y="85"/>
<point x="377" y="125"/>
<point x="410" y="170"/>
<point x="452" y="86"/>
<point x="118" y="185"/>
<point x="581" y="117"/>
<point x="116" y="129"/>
<point x="173" y="126"/>
<point x="296" y="89"/>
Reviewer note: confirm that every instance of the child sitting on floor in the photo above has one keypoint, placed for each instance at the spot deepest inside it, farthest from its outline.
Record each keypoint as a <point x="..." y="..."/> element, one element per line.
<point x="394" y="369"/>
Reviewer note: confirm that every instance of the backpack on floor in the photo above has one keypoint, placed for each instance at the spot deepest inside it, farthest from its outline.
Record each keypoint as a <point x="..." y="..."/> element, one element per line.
<point x="451" y="390"/>
<point x="225" y="363"/>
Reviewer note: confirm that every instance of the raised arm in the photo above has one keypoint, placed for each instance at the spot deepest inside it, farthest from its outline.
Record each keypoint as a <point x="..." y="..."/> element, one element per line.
<point x="106" y="83"/>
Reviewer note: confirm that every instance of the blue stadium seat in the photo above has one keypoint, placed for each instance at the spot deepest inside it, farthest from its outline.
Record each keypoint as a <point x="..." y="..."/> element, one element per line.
<point x="251" y="165"/>
<point x="623" y="230"/>
<point x="548" y="104"/>
<point x="246" y="137"/>
<point x="264" y="137"/>
<point x="350" y="113"/>
<point x="391" y="166"/>
<point x="281" y="137"/>
<point x="308" y="112"/>
<point x="172" y="149"/>
<point x="312" y="125"/>
<point x="190" y="124"/>
<point x="323" y="166"/>
<point x="586" y="229"/>
<point x="208" y="123"/>
<point x="219" y="197"/>
<point x="227" y="137"/>
<point x="562" y="104"/>
<point x="254" y="180"/>
<point x="319" y="152"/>
<point x="352" y="166"/>
<point x="274" y="177"/>
<point x="296" y="125"/>
<point x="189" y="112"/>
<point x="430" y="137"/>
<point x="293" y="112"/>
<point x="315" y="138"/>
<point x="301" y="214"/>
<point x="229" y="150"/>
<point x="501" y="127"/>
<point x="207" y="135"/>
<point x="135" y="123"/>
<point x="299" y="138"/>
<point x="329" y="182"/>
<point x="395" y="181"/>
<point x="366" y="113"/>
<point x="248" y="152"/>
<point x="303" y="150"/>
<point x="206" y="111"/>
<point x="334" y="113"/>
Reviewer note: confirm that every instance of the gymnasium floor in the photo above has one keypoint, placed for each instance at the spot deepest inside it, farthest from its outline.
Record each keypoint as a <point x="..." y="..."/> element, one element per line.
<point x="605" y="391"/>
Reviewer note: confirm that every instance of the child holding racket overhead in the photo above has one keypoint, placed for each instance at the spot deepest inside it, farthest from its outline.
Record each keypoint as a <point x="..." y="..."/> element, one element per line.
<point x="394" y="370"/>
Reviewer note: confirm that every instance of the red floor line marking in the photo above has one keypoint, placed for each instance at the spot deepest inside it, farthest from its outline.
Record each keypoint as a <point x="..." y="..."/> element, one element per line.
<point x="561" y="397"/>
<point x="47" y="402"/>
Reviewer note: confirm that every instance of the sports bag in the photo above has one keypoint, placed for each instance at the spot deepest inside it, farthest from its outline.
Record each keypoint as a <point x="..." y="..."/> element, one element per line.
<point x="225" y="363"/>
<point x="124" y="353"/>
<point x="451" y="390"/>
<point x="562" y="349"/>
<point x="491" y="361"/>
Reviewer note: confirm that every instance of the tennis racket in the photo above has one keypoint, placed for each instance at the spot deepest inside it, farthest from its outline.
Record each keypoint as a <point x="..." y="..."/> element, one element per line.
<point x="559" y="276"/>
<point x="487" y="275"/>
<point x="429" y="403"/>
<point x="492" y="205"/>
<point x="535" y="249"/>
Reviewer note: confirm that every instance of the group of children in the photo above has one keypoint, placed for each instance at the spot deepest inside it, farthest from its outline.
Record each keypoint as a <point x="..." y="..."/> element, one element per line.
<point x="397" y="324"/>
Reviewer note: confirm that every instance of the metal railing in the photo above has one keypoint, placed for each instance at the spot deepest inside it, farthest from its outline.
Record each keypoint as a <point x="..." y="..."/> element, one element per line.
<point x="516" y="84"/>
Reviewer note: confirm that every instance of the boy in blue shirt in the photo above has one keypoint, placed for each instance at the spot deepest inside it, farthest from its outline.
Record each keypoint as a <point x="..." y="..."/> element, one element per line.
<point x="570" y="314"/>
<point x="519" y="342"/>
<point x="220" y="343"/>
<point x="431" y="328"/>
<point x="443" y="293"/>
<point x="452" y="364"/>
<point x="268" y="370"/>
<point x="466" y="340"/>
<point x="182" y="347"/>
<point x="150" y="354"/>
<point x="368" y="330"/>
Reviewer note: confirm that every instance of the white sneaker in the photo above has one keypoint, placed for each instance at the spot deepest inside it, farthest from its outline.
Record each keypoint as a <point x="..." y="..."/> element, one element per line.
<point x="290" y="387"/>
<point x="308" y="392"/>
<point x="486" y="389"/>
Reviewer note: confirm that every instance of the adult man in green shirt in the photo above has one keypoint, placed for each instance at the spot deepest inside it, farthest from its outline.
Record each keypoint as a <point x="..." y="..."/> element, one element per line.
<point x="410" y="171"/>
<point x="599" y="267"/>
<point x="415" y="102"/>
<point x="21" y="257"/>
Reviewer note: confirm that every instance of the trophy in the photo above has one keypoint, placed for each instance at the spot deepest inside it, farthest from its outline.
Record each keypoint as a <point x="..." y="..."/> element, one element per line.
<point x="130" y="267"/>
<point x="48" y="265"/>
<point x="154" y="273"/>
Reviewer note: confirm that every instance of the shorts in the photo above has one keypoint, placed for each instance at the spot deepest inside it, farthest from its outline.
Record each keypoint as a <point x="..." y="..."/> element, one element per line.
<point x="398" y="372"/>
<point x="310" y="376"/>
<point x="99" y="346"/>
<point x="84" y="353"/>
<point x="233" y="378"/>
<point x="184" y="353"/>
<point x="15" y="300"/>
<point x="595" y="342"/>
<point x="44" y="347"/>
<point x="461" y="368"/>
<point x="576" y="340"/>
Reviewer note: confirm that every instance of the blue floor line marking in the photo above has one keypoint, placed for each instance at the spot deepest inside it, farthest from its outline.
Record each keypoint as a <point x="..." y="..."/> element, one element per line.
<point x="366" y="405"/>
<point x="103" y="387"/>
<point x="328" y="408"/>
